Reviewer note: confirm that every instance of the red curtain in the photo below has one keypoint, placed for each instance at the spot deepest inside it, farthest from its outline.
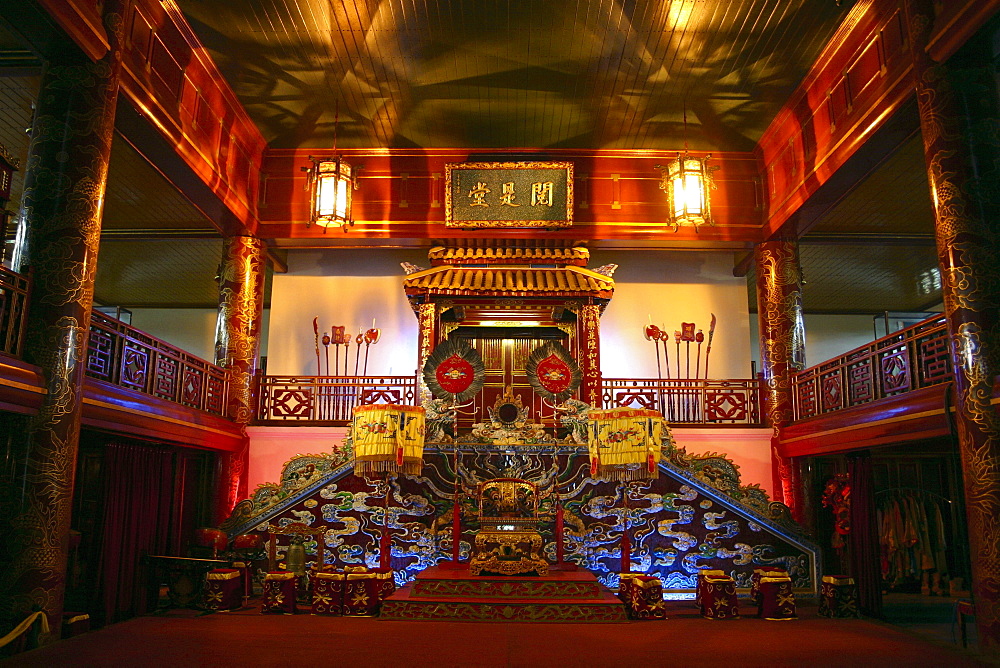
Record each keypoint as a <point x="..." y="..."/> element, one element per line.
<point x="864" y="535"/>
<point x="138" y="486"/>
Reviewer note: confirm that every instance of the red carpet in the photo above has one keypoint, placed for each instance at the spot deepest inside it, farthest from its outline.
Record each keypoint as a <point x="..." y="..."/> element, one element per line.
<point x="246" y="638"/>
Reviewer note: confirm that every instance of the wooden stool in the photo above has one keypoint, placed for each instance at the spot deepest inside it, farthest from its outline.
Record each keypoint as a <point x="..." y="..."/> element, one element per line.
<point x="224" y="589"/>
<point x="838" y="597"/>
<point x="642" y="596"/>
<point x="328" y="593"/>
<point x="718" y="598"/>
<point x="777" y="600"/>
<point x="364" y="591"/>
<point x="758" y="573"/>
<point x="701" y="583"/>
<point x="280" y="590"/>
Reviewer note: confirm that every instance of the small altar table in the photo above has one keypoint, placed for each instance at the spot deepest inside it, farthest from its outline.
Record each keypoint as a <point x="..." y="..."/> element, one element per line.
<point x="185" y="576"/>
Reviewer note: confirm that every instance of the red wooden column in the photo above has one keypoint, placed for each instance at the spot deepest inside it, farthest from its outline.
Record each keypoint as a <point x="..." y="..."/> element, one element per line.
<point x="237" y="348"/>
<point x="782" y="348"/>
<point x="65" y="178"/>
<point x="959" y="110"/>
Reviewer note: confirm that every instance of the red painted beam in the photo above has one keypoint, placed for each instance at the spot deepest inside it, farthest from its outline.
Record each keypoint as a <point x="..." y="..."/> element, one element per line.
<point x="860" y="79"/>
<point x="401" y="195"/>
<point x="913" y="416"/>
<point x="81" y="20"/>
<point x="956" y="23"/>
<point x="117" y="409"/>
<point x="20" y="386"/>
<point x="171" y="80"/>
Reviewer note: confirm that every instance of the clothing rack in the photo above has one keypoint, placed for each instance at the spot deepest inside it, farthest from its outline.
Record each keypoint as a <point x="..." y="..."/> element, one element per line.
<point x="911" y="490"/>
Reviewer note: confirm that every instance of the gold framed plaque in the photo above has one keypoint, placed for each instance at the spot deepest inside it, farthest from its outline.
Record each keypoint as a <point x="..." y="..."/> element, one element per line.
<point x="508" y="194"/>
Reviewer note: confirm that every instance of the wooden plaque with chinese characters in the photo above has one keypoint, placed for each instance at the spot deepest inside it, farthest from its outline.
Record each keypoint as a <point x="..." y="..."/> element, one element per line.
<point x="509" y="194"/>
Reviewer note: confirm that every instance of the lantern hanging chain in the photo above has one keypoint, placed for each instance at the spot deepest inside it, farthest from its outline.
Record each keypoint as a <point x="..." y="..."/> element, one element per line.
<point x="685" y="116"/>
<point x="336" y="123"/>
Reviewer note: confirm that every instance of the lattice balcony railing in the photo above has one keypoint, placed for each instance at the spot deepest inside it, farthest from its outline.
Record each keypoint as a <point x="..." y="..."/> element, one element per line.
<point x="693" y="401"/>
<point x="14" y="290"/>
<point x="328" y="399"/>
<point x="122" y="355"/>
<point x="912" y="358"/>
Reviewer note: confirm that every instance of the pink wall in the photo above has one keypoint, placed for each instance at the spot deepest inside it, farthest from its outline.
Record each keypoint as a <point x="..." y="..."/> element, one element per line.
<point x="749" y="448"/>
<point x="271" y="447"/>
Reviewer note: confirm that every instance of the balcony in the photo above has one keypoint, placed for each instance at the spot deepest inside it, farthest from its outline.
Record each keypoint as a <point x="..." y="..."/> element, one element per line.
<point x="911" y="359"/>
<point x="128" y="357"/>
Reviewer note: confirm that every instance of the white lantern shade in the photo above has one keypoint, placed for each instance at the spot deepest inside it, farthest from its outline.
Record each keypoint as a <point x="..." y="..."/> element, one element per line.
<point x="332" y="192"/>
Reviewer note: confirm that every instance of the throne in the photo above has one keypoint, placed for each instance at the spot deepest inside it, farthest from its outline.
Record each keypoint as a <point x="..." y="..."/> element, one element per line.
<point x="507" y="542"/>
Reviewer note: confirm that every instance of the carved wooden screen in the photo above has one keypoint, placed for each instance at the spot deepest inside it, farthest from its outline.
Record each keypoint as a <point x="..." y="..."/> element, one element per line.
<point x="505" y="360"/>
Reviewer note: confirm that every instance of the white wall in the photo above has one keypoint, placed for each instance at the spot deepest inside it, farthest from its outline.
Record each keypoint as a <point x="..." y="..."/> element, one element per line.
<point x="829" y="336"/>
<point x="190" y="329"/>
<point x="343" y="287"/>
<point x="672" y="287"/>
<point x="347" y="287"/>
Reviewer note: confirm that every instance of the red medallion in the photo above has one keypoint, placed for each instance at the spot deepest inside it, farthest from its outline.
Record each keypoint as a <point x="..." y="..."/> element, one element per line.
<point x="554" y="374"/>
<point x="454" y="375"/>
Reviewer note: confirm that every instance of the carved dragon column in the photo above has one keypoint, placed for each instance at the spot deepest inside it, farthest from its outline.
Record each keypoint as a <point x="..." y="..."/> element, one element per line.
<point x="782" y="349"/>
<point x="237" y="348"/>
<point x="65" y="179"/>
<point x="959" y="111"/>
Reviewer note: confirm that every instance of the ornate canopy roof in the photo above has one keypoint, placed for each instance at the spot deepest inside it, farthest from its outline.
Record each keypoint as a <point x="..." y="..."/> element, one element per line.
<point x="443" y="255"/>
<point x="509" y="282"/>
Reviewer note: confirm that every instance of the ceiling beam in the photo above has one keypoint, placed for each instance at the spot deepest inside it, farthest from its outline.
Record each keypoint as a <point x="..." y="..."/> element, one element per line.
<point x="849" y="239"/>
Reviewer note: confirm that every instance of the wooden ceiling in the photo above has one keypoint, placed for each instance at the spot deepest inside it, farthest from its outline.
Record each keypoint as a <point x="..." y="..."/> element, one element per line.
<point x="480" y="74"/>
<point x="514" y="73"/>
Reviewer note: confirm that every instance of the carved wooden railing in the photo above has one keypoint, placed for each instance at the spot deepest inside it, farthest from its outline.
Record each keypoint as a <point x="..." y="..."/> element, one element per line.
<point x="120" y="354"/>
<point x="14" y="290"/>
<point x="328" y="399"/>
<point x="684" y="401"/>
<point x="912" y="358"/>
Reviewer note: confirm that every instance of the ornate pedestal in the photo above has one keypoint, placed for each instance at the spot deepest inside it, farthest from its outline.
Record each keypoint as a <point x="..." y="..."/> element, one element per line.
<point x="328" y="593"/>
<point x="700" y="586"/>
<point x="508" y="553"/>
<point x="363" y="592"/>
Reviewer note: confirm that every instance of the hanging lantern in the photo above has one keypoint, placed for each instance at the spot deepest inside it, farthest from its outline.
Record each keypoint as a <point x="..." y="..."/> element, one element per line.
<point x="687" y="182"/>
<point x="332" y="193"/>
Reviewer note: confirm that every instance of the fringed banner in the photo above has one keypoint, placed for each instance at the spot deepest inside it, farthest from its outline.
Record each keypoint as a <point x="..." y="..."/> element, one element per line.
<point x="388" y="438"/>
<point x="625" y="443"/>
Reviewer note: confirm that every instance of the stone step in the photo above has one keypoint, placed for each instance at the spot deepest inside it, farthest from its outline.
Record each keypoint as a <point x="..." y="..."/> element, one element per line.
<point x="402" y="605"/>
<point x="438" y="582"/>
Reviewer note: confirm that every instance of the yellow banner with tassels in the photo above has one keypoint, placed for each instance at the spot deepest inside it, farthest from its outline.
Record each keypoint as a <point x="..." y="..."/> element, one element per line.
<point x="388" y="438"/>
<point x="625" y="443"/>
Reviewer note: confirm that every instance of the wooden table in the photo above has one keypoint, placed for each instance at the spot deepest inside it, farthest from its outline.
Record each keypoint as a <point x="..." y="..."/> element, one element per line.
<point x="185" y="576"/>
